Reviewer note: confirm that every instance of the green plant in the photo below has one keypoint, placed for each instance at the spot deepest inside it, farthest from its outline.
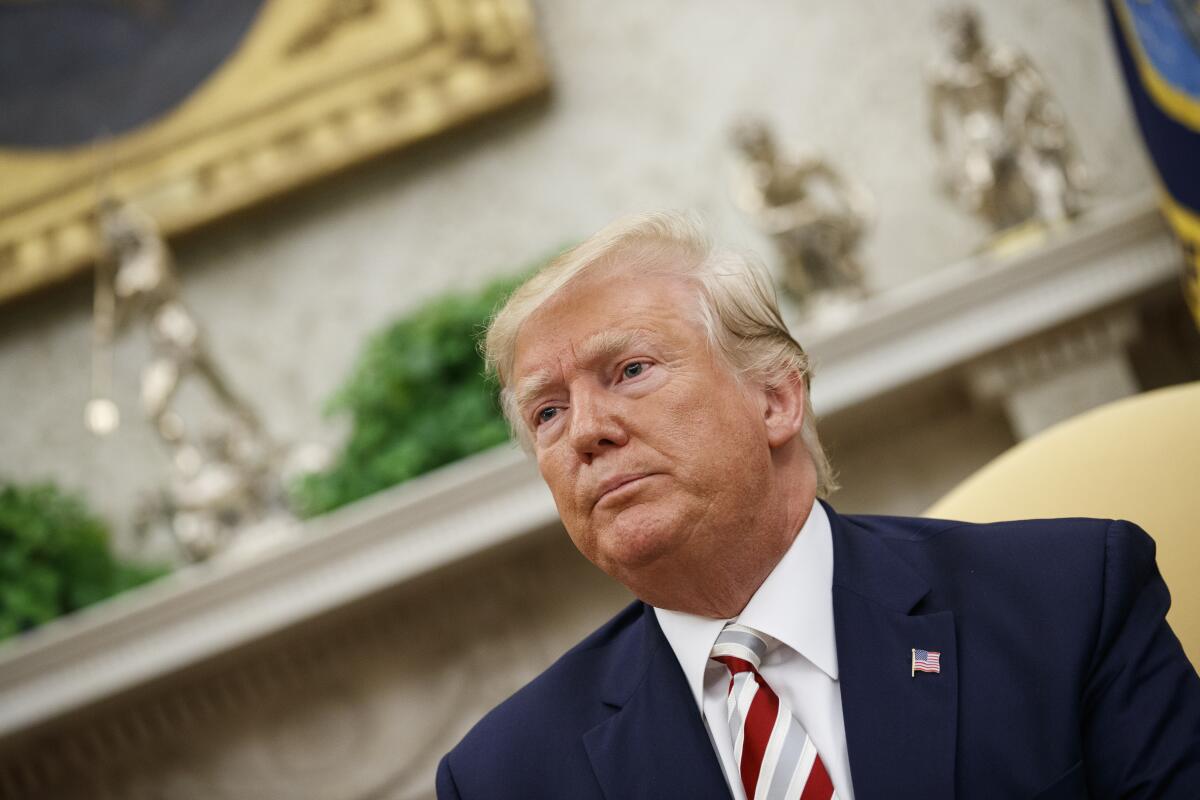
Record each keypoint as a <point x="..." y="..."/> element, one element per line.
<point x="54" y="557"/>
<point x="418" y="399"/>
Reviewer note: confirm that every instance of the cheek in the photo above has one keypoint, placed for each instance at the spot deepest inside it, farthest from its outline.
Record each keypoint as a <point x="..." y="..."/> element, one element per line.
<point x="682" y="421"/>
<point x="561" y="479"/>
<point x="712" y="436"/>
<point x="551" y="472"/>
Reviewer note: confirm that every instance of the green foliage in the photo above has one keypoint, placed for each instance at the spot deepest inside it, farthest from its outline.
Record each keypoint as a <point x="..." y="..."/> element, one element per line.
<point x="54" y="558"/>
<point x="418" y="399"/>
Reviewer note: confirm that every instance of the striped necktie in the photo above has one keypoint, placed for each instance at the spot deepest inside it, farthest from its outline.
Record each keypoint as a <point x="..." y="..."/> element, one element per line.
<point x="776" y="758"/>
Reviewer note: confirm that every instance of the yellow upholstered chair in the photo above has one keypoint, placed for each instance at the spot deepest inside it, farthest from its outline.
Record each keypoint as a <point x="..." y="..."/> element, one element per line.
<point x="1135" y="459"/>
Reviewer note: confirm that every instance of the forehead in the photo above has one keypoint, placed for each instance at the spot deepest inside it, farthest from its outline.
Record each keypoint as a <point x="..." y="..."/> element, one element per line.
<point x="597" y="313"/>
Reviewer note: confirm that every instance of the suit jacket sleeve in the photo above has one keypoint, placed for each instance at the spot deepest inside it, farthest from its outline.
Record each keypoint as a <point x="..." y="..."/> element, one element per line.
<point x="446" y="788"/>
<point x="1141" y="701"/>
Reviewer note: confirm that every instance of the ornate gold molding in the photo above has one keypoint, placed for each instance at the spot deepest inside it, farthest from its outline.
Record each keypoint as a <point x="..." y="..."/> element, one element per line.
<point x="313" y="88"/>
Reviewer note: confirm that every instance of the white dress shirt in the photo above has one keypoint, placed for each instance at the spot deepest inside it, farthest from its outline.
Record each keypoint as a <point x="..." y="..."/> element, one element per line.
<point x="794" y="606"/>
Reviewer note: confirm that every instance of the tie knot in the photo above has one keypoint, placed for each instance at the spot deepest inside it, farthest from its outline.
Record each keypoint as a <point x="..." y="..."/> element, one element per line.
<point x="740" y="641"/>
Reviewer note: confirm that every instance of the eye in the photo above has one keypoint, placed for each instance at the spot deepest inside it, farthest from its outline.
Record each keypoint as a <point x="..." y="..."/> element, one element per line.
<point x="546" y="414"/>
<point x="633" y="369"/>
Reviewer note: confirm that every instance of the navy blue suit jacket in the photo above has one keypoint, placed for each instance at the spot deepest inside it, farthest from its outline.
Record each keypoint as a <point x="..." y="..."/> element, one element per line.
<point x="1059" y="679"/>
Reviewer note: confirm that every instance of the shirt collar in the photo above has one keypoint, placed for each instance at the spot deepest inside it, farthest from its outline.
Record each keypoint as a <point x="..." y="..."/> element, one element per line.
<point x="793" y="605"/>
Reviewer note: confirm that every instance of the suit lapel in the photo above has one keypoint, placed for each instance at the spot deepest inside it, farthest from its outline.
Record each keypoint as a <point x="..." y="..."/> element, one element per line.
<point x="655" y="744"/>
<point x="900" y="730"/>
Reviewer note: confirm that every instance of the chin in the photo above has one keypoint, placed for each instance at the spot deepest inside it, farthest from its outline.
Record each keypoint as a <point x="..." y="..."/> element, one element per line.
<point x="636" y="538"/>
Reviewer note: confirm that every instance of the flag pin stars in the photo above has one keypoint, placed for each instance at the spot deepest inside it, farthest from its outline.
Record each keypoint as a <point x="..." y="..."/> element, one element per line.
<point x="926" y="661"/>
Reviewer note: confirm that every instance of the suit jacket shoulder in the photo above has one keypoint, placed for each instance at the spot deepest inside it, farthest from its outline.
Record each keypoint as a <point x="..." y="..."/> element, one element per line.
<point x="1066" y="670"/>
<point x="1078" y="575"/>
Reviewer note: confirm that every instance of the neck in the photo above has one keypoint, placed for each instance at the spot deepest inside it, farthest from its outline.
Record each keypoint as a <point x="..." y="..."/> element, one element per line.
<point x="720" y="586"/>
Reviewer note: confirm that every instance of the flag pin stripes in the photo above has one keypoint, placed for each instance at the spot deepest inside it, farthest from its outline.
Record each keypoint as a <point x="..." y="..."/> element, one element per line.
<point x="926" y="661"/>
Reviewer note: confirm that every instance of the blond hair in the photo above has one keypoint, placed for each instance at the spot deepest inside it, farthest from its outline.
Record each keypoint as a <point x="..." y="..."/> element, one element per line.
<point x="738" y="309"/>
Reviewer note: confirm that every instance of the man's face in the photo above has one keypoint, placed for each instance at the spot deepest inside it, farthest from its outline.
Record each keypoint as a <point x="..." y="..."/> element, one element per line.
<point x="652" y="449"/>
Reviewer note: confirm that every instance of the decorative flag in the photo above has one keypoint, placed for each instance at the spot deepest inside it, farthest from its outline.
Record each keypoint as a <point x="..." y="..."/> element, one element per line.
<point x="1158" y="42"/>
<point x="926" y="661"/>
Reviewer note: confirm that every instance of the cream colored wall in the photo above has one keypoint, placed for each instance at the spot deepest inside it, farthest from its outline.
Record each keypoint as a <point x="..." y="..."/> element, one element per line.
<point x="644" y="94"/>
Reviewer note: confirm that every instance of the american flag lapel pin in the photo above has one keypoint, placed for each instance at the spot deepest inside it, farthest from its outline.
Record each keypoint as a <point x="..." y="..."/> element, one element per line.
<point x="926" y="661"/>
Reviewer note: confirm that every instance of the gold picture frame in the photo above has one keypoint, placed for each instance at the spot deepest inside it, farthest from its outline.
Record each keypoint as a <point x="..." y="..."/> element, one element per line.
<point x="312" y="88"/>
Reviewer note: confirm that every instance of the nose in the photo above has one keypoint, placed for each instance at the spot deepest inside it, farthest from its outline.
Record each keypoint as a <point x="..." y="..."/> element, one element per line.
<point x="595" y="424"/>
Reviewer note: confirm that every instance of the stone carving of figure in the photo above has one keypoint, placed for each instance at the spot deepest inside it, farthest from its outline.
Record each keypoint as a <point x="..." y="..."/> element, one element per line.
<point x="816" y="217"/>
<point x="221" y="481"/>
<point x="1007" y="153"/>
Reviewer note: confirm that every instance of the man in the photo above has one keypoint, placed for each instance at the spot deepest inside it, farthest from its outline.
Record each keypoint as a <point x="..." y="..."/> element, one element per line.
<point x="779" y="649"/>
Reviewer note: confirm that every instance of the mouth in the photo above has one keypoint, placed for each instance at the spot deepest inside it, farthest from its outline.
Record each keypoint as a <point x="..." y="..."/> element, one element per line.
<point x="619" y="485"/>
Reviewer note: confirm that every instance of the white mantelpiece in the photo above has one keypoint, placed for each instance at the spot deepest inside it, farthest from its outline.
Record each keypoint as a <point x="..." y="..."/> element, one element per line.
<point x="208" y="609"/>
<point x="983" y="304"/>
<point x="948" y="320"/>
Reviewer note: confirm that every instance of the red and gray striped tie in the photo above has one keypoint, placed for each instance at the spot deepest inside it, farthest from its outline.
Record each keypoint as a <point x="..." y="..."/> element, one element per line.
<point x="777" y="759"/>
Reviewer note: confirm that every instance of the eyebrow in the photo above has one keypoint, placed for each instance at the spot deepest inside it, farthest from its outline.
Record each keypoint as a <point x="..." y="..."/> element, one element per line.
<point x="597" y="348"/>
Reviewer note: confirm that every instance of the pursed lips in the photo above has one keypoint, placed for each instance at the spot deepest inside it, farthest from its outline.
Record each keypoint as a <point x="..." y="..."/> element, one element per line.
<point x="616" y="482"/>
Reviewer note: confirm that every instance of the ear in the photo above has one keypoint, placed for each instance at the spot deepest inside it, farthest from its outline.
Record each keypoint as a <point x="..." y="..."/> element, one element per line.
<point x="783" y="411"/>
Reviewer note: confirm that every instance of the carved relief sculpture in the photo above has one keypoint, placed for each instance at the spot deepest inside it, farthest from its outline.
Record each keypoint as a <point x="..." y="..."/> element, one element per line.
<point x="816" y="217"/>
<point x="1006" y="151"/>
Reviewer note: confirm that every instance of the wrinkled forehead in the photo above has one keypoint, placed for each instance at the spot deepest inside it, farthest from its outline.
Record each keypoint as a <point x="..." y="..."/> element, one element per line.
<point x="623" y="277"/>
<point x="597" y="317"/>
